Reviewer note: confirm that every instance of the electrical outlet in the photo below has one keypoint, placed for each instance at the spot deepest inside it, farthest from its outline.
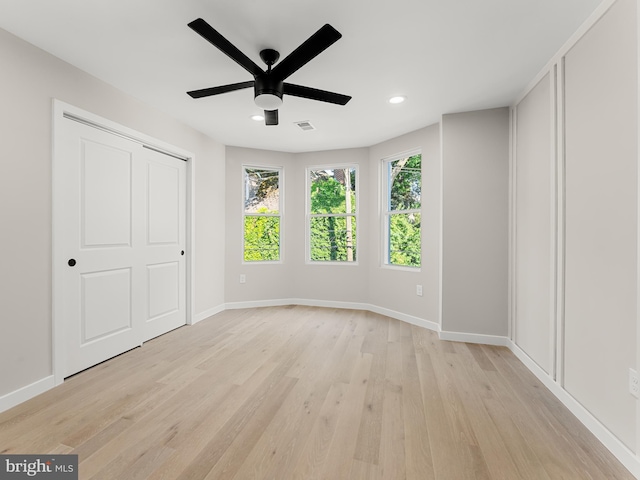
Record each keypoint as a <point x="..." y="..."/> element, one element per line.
<point x="419" y="290"/>
<point x="634" y="384"/>
<point x="243" y="278"/>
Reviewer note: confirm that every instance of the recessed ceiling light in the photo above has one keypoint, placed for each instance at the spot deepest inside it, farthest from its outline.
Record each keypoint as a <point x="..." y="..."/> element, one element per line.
<point x="398" y="99"/>
<point x="257" y="118"/>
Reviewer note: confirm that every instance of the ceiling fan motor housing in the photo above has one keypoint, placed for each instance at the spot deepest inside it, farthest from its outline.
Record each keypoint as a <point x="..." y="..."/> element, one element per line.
<point x="268" y="92"/>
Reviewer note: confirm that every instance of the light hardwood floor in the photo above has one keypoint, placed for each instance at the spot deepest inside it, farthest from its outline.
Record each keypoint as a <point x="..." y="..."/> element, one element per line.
<point x="309" y="393"/>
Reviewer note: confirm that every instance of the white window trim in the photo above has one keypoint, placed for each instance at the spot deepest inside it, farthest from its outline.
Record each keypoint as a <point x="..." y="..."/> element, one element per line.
<point x="308" y="215"/>
<point x="385" y="213"/>
<point x="280" y="171"/>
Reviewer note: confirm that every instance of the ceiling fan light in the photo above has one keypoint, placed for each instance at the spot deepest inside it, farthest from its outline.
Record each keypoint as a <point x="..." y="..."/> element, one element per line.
<point x="268" y="101"/>
<point x="397" y="99"/>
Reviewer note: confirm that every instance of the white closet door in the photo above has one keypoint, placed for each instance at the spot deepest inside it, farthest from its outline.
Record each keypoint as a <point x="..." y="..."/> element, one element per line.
<point x="124" y="270"/>
<point x="164" y="254"/>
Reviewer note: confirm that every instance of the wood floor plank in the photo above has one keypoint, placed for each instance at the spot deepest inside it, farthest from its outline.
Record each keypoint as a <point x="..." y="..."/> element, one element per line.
<point x="311" y="462"/>
<point x="392" y="455"/>
<point x="243" y="441"/>
<point x="364" y="471"/>
<point x="419" y="463"/>
<point x="300" y="392"/>
<point x="343" y="445"/>
<point x="370" y="429"/>
<point x="282" y="443"/>
<point x="490" y="442"/>
<point x="397" y="330"/>
<point x="154" y="430"/>
<point x="523" y="457"/>
<point x="188" y="444"/>
<point x="451" y="458"/>
<point x="470" y="459"/>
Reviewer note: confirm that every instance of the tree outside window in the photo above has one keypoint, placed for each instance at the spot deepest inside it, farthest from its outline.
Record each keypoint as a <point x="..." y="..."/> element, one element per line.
<point x="262" y="214"/>
<point x="402" y="214"/>
<point x="332" y="214"/>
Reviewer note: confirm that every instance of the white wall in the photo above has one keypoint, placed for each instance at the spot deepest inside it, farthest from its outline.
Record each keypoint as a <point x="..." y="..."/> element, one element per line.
<point x="264" y="281"/>
<point x="335" y="282"/>
<point x="30" y="80"/>
<point x="366" y="284"/>
<point x="601" y="219"/>
<point x="395" y="289"/>
<point x="475" y="189"/>
<point x="476" y="147"/>
<point x="293" y="277"/>
<point x="534" y="197"/>
<point x="596" y="204"/>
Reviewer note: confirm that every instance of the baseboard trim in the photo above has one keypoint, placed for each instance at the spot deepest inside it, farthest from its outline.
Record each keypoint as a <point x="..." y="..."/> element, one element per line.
<point x="420" y="322"/>
<point x="259" y="303"/>
<point x="495" y="340"/>
<point x="311" y="302"/>
<point x="629" y="459"/>
<point x="207" y="313"/>
<point x="25" y="393"/>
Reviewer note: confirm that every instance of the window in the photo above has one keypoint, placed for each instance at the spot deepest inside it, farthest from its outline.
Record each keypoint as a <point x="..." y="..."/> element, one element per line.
<point x="262" y="214"/>
<point x="402" y="219"/>
<point x="332" y="208"/>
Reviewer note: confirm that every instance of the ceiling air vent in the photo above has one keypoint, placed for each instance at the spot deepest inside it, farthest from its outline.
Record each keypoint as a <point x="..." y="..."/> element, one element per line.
<point x="305" y="125"/>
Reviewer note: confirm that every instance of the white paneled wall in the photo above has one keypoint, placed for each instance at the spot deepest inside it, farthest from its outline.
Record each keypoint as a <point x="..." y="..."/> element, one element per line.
<point x="574" y="226"/>
<point x="534" y="198"/>
<point x="600" y="91"/>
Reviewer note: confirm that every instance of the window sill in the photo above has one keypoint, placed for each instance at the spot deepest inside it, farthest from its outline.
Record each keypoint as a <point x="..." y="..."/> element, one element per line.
<point x="351" y="264"/>
<point x="401" y="268"/>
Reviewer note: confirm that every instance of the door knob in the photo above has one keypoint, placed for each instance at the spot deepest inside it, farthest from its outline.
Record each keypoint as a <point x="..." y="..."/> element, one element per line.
<point x="182" y="252"/>
<point x="71" y="262"/>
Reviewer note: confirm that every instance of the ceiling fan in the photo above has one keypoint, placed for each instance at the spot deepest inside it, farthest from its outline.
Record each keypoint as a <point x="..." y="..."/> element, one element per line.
<point x="269" y="86"/>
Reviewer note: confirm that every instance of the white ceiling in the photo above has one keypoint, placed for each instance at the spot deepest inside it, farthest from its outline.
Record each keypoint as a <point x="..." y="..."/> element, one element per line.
<point x="445" y="55"/>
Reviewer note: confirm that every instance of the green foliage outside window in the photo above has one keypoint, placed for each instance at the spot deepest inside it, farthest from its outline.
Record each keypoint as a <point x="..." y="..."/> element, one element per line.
<point x="329" y="239"/>
<point x="404" y="219"/>
<point x="261" y="214"/>
<point x="261" y="238"/>
<point x="404" y="240"/>
<point x="333" y="222"/>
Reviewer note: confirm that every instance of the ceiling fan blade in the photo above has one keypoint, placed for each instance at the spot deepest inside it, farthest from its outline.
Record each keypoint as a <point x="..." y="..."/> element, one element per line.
<point x="207" y="92"/>
<point x="315" y="94"/>
<point x="310" y="48"/>
<point x="271" y="117"/>
<point x="207" y="32"/>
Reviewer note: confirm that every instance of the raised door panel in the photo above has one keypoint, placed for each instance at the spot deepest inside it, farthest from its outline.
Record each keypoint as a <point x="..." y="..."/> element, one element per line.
<point x="105" y="195"/>
<point x="164" y="204"/>
<point x="163" y="289"/>
<point x="106" y="304"/>
<point x="164" y="252"/>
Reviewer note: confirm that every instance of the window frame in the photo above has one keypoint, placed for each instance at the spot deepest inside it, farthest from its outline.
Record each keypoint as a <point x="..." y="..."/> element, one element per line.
<point x="386" y="212"/>
<point x="309" y="215"/>
<point x="280" y="213"/>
